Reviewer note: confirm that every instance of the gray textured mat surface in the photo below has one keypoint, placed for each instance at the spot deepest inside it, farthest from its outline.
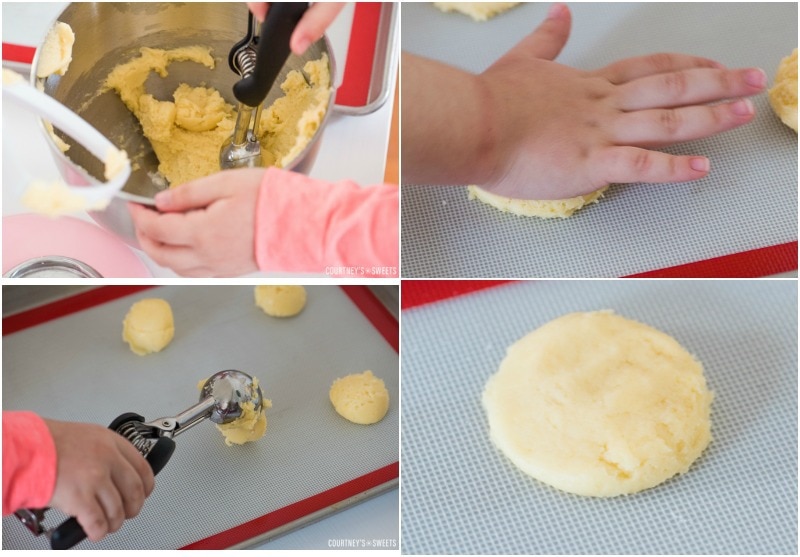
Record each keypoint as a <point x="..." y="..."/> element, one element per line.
<point x="461" y="495"/>
<point x="78" y="368"/>
<point x="748" y="201"/>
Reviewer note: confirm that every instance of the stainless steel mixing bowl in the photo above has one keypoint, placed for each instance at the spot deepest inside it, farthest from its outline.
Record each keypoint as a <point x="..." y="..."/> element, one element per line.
<point x="109" y="33"/>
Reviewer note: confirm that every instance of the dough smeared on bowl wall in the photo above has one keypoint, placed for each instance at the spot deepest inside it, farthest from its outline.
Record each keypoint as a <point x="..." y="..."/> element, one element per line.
<point x="187" y="132"/>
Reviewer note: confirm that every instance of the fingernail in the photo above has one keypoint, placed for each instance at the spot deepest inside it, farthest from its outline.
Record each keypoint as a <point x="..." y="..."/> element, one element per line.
<point x="743" y="107"/>
<point x="556" y="11"/>
<point x="699" y="164"/>
<point x="163" y="197"/>
<point x="302" y="45"/>
<point x="755" y="77"/>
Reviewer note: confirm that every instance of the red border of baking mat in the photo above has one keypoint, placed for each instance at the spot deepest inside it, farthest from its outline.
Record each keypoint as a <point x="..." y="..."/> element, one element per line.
<point x="420" y="292"/>
<point x="365" y="301"/>
<point x="754" y="263"/>
<point x="298" y="510"/>
<point x="65" y="306"/>
<point x="354" y="90"/>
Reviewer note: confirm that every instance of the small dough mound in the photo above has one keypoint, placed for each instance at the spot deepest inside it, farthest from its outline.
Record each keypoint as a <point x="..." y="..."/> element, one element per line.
<point x="783" y="95"/>
<point x="56" y="52"/>
<point x="599" y="405"/>
<point x="250" y="426"/>
<point x="148" y="327"/>
<point x="479" y="11"/>
<point x="557" y="208"/>
<point x="361" y="398"/>
<point x="281" y="301"/>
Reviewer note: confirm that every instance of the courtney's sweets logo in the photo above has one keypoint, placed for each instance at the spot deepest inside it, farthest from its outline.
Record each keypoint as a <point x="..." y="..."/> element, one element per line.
<point x="363" y="543"/>
<point x="360" y="271"/>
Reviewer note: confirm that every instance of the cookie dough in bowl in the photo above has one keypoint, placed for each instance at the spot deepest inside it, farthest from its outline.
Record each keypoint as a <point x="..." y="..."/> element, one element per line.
<point x="280" y="301"/>
<point x="599" y="405"/>
<point x="148" y="326"/>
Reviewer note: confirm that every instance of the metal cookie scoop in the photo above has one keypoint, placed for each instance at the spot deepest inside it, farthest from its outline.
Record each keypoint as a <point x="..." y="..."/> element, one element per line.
<point x="258" y="58"/>
<point x="221" y="400"/>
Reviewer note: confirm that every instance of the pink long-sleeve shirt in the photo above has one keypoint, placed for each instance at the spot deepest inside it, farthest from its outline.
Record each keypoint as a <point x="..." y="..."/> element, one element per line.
<point x="29" y="462"/>
<point x="341" y="229"/>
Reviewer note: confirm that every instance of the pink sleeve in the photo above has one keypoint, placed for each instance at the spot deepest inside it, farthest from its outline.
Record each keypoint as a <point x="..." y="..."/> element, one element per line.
<point x="29" y="462"/>
<point x="341" y="229"/>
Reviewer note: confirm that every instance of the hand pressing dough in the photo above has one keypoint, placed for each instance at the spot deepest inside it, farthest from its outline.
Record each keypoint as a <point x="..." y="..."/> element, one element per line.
<point x="56" y="52"/>
<point x="148" y="327"/>
<point x="783" y="95"/>
<point x="281" y="301"/>
<point x="599" y="405"/>
<point x="361" y="398"/>
<point x="187" y="132"/>
<point x="479" y="11"/>
<point x="546" y="209"/>
<point x="250" y="426"/>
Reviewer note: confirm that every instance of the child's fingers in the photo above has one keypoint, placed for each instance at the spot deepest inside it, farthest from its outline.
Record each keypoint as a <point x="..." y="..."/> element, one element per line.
<point x="659" y="127"/>
<point x="687" y="87"/>
<point x="547" y="40"/>
<point x="259" y="10"/>
<point x="662" y="62"/>
<point x="313" y="25"/>
<point x="111" y="501"/>
<point x="177" y="258"/>
<point x="164" y="228"/>
<point x="140" y="466"/>
<point x="624" y="165"/>
<point x="92" y="519"/>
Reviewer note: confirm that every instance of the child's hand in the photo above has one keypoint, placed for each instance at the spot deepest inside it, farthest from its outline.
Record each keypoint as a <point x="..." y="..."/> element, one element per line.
<point x="548" y="131"/>
<point x="311" y="27"/>
<point x="101" y="479"/>
<point x="206" y="228"/>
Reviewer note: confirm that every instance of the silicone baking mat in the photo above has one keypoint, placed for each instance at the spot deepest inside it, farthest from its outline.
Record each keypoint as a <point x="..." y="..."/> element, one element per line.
<point x="461" y="495"/>
<point x="311" y="460"/>
<point x="748" y="202"/>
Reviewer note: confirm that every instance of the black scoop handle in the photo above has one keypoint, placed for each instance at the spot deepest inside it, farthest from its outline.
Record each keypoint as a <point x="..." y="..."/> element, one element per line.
<point x="69" y="532"/>
<point x="272" y="52"/>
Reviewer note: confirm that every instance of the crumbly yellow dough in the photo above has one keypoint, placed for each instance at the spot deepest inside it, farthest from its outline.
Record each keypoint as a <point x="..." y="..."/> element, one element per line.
<point x="115" y="161"/>
<point x="250" y="426"/>
<point x="56" y="52"/>
<point x="599" y="405"/>
<point x="187" y="132"/>
<point x="148" y="327"/>
<point x="783" y="95"/>
<point x="54" y="198"/>
<point x="10" y="77"/>
<point x="546" y="209"/>
<point x="280" y="301"/>
<point x="479" y="11"/>
<point x="361" y="398"/>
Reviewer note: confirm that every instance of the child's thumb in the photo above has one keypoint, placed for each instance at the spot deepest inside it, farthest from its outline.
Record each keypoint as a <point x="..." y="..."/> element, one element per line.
<point x="549" y="38"/>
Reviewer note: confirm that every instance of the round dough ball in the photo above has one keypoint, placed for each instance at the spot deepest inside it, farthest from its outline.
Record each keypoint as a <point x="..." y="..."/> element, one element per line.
<point x="545" y="209"/>
<point x="281" y="301"/>
<point x="148" y="327"/>
<point x="361" y="398"/>
<point x="599" y="405"/>
<point x="783" y="95"/>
